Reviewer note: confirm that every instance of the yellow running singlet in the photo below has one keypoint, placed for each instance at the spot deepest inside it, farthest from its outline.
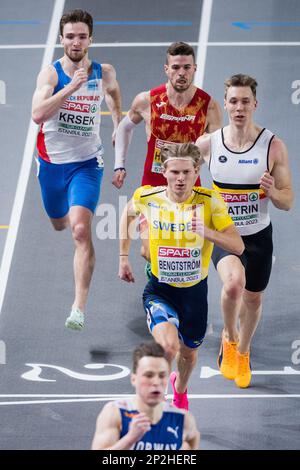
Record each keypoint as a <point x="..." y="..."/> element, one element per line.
<point x="179" y="256"/>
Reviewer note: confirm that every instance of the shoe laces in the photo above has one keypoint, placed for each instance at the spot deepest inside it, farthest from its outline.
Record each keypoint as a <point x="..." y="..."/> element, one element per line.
<point x="243" y="364"/>
<point x="229" y="351"/>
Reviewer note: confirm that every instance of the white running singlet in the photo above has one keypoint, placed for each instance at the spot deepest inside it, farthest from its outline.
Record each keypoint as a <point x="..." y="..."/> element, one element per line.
<point x="236" y="177"/>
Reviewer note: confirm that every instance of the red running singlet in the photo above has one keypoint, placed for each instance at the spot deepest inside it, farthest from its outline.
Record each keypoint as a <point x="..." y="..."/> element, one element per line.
<point x="168" y="125"/>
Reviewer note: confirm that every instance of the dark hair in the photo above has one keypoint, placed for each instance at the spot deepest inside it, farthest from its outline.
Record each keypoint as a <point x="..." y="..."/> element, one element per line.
<point x="241" y="80"/>
<point x="151" y="349"/>
<point x="180" y="48"/>
<point x="76" y="16"/>
<point x="181" y="150"/>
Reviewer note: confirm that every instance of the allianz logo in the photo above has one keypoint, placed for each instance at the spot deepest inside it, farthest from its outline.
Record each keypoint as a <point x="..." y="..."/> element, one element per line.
<point x="253" y="161"/>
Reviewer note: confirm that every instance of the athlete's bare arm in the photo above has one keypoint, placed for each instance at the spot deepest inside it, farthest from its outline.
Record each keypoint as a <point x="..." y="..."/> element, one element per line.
<point x="140" y="108"/>
<point x="44" y="103"/>
<point x="112" y="95"/>
<point x="214" y="117"/>
<point x="108" y="427"/>
<point x="126" y="225"/>
<point x="278" y="184"/>
<point x="203" y="143"/>
<point x="191" y="435"/>
<point x="229" y="238"/>
<point x="139" y="111"/>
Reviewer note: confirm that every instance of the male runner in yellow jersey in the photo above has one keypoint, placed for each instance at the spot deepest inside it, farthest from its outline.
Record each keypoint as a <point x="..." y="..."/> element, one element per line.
<point x="184" y="222"/>
<point x="249" y="167"/>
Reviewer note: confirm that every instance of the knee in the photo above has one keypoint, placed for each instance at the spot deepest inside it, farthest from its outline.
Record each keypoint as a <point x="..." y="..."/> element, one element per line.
<point x="59" y="225"/>
<point x="170" y="348"/>
<point x="233" y="288"/>
<point x="59" y="228"/>
<point x="81" y="233"/>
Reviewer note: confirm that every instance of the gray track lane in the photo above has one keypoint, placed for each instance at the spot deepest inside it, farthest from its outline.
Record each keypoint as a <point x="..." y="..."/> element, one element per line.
<point x="17" y="70"/>
<point x="40" y="285"/>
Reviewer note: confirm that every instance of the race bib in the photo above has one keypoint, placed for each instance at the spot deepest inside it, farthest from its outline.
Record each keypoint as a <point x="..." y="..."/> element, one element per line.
<point x="156" y="163"/>
<point x="178" y="265"/>
<point x="79" y="115"/>
<point x="244" y="208"/>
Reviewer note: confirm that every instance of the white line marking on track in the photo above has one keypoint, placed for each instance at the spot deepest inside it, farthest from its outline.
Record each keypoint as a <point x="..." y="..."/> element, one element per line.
<point x="26" y="163"/>
<point x="202" y="42"/>
<point x="37" y="369"/>
<point x="255" y="44"/>
<point x="208" y="372"/>
<point x="99" y="398"/>
<point x="159" y="44"/>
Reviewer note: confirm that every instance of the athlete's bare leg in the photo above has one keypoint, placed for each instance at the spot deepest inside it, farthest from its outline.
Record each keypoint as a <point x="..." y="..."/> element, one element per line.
<point x="186" y="360"/>
<point x="84" y="257"/>
<point x="166" y="334"/>
<point x="232" y="274"/>
<point x="60" y="224"/>
<point x="249" y="316"/>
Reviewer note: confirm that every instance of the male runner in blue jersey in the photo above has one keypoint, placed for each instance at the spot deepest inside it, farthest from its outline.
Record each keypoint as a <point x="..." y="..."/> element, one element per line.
<point x="147" y="421"/>
<point x="66" y="104"/>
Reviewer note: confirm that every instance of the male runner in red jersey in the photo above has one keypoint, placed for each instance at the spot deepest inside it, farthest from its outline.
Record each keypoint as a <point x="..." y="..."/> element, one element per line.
<point x="176" y="111"/>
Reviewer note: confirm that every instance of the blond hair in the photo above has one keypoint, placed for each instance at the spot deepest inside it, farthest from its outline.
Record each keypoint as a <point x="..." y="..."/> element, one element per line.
<point x="181" y="151"/>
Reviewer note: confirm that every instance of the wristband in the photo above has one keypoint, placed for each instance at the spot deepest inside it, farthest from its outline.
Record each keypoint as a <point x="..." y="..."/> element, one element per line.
<point x="120" y="168"/>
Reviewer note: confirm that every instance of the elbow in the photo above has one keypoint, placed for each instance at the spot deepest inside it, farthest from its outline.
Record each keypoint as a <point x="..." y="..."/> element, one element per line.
<point x="37" y="117"/>
<point x="239" y="248"/>
<point x="287" y="206"/>
<point x="290" y="204"/>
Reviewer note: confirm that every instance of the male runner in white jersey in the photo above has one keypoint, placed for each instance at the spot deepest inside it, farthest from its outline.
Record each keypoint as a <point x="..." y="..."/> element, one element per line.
<point x="66" y="104"/>
<point x="176" y="111"/>
<point x="249" y="167"/>
<point x="146" y="421"/>
<point x="184" y="222"/>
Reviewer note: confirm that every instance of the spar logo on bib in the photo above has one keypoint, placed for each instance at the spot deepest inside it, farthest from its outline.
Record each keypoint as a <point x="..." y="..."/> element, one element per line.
<point x="195" y="253"/>
<point x="172" y="252"/>
<point x="253" y="197"/>
<point x="235" y="197"/>
<point x="240" y="198"/>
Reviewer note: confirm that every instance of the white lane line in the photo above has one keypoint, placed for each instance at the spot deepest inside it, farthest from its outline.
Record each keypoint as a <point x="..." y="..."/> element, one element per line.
<point x="93" y="398"/>
<point x="255" y="44"/>
<point x="26" y="163"/>
<point x="202" y="41"/>
<point x="157" y="44"/>
<point x="208" y="372"/>
<point x="63" y="395"/>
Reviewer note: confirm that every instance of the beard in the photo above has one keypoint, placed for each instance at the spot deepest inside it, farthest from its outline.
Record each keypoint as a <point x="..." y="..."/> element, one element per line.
<point x="76" y="56"/>
<point x="179" y="88"/>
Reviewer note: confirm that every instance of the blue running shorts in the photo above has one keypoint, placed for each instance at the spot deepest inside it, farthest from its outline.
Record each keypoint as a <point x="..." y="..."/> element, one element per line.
<point x="184" y="307"/>
<point x="69" y="184"/>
